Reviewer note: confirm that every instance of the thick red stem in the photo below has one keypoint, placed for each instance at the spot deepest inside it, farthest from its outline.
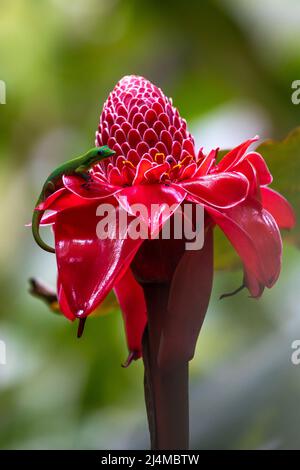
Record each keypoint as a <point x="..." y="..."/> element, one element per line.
<point x="166" y="387"/>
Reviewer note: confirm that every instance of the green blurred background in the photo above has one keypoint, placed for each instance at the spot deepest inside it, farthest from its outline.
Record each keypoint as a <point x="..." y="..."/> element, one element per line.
<point x="228" y="65"/>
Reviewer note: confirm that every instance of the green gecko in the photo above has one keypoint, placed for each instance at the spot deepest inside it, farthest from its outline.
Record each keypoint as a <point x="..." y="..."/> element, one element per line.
<point x="77" y="166"/>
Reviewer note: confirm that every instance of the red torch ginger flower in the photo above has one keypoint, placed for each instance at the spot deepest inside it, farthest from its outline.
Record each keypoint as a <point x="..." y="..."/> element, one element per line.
<point x="156" y="163"/>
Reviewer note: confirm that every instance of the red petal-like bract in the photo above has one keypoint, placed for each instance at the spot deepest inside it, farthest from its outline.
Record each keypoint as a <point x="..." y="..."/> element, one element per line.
<point x="89" y="267"/>
<point x="132" y="302"/>
<point x="160" y="201"/>
<point x="255" y="235"/>
<point x="218" y="190"/>
<point x="279" y="207"/>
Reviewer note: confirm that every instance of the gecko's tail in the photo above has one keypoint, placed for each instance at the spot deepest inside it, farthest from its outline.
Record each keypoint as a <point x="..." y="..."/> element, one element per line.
<point x="36" y="219"/>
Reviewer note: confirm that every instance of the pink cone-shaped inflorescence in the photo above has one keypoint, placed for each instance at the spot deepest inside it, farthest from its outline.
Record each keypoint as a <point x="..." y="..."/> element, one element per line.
<point x="150" y="139"/>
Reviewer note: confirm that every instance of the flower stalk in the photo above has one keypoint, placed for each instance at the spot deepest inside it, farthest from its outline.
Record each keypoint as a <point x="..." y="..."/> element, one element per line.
<point x="166" y="386"/>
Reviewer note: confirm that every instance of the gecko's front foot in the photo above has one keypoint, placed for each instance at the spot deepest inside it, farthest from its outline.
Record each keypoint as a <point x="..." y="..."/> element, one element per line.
<point x="87" y="185"/>
<point x="87" y="177"/>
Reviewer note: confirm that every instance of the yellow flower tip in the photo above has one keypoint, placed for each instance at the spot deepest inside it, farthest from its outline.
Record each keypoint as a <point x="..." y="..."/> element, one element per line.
<point x="186" y="160"/>
<point x="128" y="163"/>
<point x="178" y="166"/>
<point x="159" y="157"/>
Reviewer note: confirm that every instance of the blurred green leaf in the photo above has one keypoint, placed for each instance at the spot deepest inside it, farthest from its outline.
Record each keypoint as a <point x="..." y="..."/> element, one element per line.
<point x="283" y="159"/>
<point x="225" y="256"/>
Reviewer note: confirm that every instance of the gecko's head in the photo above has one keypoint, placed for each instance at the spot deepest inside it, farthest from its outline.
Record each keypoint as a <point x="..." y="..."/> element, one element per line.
<point x="97" y="154"/>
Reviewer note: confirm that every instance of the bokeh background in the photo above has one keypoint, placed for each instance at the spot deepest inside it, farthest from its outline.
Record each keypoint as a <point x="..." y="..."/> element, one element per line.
<point x="228" y="65"/>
